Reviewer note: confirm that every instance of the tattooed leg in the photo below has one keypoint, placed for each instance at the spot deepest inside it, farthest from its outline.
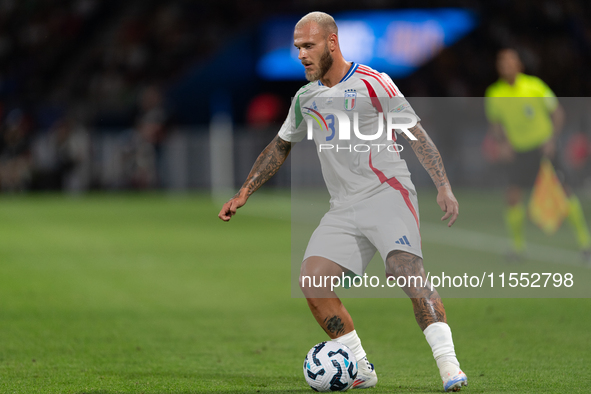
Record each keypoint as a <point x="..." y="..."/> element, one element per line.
<point x="327" y="308"/>
<point x="426" y="303"/>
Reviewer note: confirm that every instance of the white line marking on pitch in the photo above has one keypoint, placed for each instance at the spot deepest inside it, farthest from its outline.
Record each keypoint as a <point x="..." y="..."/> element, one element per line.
<point x="482" y="242"/>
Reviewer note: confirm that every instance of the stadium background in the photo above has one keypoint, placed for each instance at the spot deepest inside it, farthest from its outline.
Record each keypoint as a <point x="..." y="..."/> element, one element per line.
<point x="121" y="279"/>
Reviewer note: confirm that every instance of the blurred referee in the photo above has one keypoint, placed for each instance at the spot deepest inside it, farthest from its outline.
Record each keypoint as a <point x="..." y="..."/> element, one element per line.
<point x="525" y="124"/>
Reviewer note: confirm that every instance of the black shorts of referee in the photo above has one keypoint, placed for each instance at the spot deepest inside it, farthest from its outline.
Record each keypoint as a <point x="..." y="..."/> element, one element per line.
<point x="523" y="169"/>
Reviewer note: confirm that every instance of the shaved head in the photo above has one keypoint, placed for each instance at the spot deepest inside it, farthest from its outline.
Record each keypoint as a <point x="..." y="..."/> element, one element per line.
<point x="316" y="38"/>
<point x="322" y="19"/>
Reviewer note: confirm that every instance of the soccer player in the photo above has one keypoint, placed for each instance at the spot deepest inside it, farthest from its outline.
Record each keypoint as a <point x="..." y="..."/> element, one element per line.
<point x="525" y="119"/>
<point x="373" y="201"/>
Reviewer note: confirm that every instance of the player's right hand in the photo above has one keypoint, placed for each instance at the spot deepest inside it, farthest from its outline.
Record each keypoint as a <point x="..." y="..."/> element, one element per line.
<point x="229" y="208"/>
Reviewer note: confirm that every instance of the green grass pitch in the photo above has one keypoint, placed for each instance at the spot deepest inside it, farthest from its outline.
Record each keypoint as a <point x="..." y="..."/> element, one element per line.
<point x="150" y="293"/>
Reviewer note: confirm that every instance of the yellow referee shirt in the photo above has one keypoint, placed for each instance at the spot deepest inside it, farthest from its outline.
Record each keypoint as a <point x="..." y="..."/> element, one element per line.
<point x="523" y="109"/>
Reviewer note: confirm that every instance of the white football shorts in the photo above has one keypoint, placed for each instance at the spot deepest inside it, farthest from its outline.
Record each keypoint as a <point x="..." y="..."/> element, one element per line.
<point x="350" y="235"/>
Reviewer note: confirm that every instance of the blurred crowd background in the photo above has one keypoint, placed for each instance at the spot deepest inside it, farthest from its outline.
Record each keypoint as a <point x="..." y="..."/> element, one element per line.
<point x="106" y="94"/>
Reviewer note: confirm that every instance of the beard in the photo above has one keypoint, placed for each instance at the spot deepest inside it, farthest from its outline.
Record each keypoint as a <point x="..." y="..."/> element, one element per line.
<point x="323" y="66"/>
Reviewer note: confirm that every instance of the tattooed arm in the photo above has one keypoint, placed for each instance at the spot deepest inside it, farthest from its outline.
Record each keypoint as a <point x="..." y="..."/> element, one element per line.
<point x="430" y="158"/>
<point x="266" y="165"/>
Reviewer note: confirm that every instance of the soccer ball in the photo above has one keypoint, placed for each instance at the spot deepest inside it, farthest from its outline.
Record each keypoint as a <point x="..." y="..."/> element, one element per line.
<point x="330" y="366"/>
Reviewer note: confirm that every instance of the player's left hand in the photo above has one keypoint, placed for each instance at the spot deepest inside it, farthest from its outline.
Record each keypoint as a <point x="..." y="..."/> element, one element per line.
<point x="448" y="203"/>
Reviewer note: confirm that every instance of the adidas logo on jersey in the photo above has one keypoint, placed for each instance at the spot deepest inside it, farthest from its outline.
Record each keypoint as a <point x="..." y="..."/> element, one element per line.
<point x="311" y="108"/>
<point x="403" y="241"/>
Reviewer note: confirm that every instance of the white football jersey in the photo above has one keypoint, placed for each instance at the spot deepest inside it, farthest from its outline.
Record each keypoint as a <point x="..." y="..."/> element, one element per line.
<point x="353" y="168"/>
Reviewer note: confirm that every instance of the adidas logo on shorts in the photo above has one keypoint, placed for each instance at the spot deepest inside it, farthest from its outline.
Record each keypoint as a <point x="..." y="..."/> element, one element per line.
<point x="403" y="241"/>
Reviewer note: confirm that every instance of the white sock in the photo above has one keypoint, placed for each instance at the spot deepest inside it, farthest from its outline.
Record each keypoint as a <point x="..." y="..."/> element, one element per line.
<point x="438" y="336"/>
<point x="352" y="341"/>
